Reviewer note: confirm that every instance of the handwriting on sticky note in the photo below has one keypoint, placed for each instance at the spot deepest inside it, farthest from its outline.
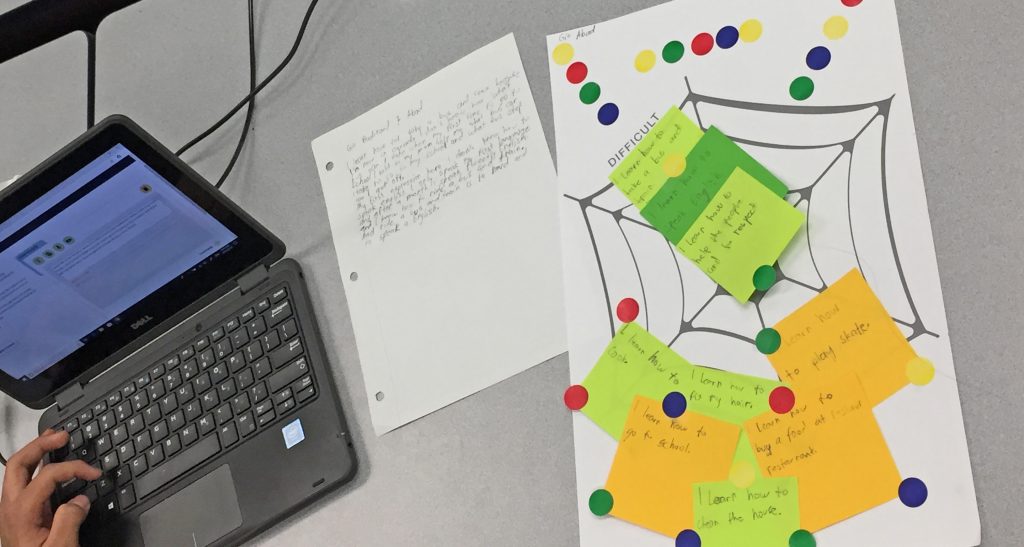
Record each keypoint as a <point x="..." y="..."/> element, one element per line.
<point x="708" y="165"/>
<point x="745" y="226"/>
<point x="765" y="513"/>
<point x="717" y="204"/>
<point x="844" y="329"/>
<point x="635" y="363"/>
<point x="659" y="459"/>
<point x="404" y="170"/>
<point x="674" y="134"/>
<point x="638" y="178"/>
<point x="832" y="443"/>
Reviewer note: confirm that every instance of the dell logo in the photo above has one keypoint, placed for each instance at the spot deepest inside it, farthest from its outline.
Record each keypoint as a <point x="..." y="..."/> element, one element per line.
<point x="136" y="325"/>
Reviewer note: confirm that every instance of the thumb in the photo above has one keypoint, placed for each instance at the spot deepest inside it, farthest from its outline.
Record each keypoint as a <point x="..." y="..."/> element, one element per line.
<point x="66" y="521"/>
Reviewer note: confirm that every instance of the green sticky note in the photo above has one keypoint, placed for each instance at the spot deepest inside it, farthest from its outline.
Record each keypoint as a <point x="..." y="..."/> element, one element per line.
<point x="682" y="199"/>
<point x="673" y="135"/>
<point x="744" y="226"/>
<point x="635" y="363"/>
<point x="638" y="178"/>
<point x="766" y="513"/>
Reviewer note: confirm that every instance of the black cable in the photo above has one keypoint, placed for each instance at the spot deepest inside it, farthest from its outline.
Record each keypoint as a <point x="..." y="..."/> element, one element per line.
<point x="264" y="83"/>
<point x="252" y="99"/>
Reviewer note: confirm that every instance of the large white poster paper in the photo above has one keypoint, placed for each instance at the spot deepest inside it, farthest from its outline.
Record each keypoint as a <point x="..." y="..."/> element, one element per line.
<point x="442" y="203"/>
<point x="838" y="130"/>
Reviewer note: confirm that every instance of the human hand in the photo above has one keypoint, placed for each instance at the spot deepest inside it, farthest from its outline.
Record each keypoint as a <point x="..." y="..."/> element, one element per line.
<point x="26" y="519"/>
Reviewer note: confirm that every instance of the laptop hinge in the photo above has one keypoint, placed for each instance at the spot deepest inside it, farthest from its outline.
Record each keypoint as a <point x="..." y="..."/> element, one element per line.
<point x="67" y="397"/>
<point x="253" y="278"/>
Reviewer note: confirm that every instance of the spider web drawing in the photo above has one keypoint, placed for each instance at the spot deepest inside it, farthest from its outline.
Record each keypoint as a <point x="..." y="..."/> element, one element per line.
<point x="853" y="161"/>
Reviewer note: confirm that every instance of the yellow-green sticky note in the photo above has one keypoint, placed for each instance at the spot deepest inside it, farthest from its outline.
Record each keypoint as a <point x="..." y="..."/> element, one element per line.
<point x="638" y="178"/>
<point x="766" y="513"/>
<point x="636" y="363"/>
<point x="673" y="136"/>
<point x="744" y="227"/>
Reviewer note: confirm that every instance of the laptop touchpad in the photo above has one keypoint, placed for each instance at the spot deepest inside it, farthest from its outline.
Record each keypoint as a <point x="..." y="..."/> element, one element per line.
<point x="200" y="514"/>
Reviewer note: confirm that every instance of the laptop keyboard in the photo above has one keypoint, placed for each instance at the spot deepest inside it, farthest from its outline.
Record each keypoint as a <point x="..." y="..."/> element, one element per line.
<point x="206" y="398"/>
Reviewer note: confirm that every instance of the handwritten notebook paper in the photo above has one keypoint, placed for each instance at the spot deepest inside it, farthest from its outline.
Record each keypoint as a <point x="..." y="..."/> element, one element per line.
<point x="717" y="204"/>
<point x="635" y="363"/>
<point x="658" y="461"/>
<point x="830" y="441"/>
<point x="443" y="208"/>
<point x="844" y="329"/>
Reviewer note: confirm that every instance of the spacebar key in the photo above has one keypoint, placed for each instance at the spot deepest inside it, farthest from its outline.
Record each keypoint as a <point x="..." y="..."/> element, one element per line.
<point x="176" y="467"/>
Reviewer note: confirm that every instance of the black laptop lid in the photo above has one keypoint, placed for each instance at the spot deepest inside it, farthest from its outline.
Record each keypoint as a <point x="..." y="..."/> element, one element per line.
<point x="110" y="239"/>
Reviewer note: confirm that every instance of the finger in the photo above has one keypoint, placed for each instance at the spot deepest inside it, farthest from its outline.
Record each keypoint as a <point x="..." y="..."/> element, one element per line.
<point x="66" y="522"/>
<point x="23" y="463"/>
<point x="39" y="490"/>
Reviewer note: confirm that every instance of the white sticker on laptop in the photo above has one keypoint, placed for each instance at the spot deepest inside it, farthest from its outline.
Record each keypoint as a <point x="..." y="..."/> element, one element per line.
<point x="293" y="433"/>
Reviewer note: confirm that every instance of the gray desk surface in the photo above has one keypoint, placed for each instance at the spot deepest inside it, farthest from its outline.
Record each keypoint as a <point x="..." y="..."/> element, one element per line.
<point x="497" y="468"/>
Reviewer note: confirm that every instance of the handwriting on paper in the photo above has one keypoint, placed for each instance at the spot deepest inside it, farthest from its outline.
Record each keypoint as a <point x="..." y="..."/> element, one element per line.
<point x="719" y="206"/>
<point x="635" y="363"/>
<point x="830" y="441"/>
<point x="765" y="513"/>
<point x="659" y="459"/>
<point x="745" y="226"/>
<point x="405" y="170"/>
<point x="844" y="329"/>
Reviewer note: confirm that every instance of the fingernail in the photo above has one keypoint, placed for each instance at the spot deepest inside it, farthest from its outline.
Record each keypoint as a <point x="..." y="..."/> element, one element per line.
<point x="48" y="432"/>
<point x="82" y="502"/>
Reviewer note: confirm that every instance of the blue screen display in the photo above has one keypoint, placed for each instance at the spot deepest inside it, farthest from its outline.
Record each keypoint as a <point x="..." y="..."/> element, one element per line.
<point x="98" y="243"/>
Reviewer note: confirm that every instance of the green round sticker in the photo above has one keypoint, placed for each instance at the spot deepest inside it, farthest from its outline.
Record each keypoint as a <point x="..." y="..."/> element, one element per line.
<point x="673" y="51"/>
<point x="601" y="502"/>
<point x="764" y="278"/>
<point x="801" y="88"/>
<point x="590" y="93"/>
<point x="768" y="341"/>
<point x="802" y="538"/>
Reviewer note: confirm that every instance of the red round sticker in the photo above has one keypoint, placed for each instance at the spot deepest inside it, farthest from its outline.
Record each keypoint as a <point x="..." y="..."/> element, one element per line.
<point x="576" y="73"/>
<point x="702" y="43"/>
<point x="576" y="397"/>
<point x="851" y="3"/>
<point x="627" y="310"/>
<point x="781" y="400"/>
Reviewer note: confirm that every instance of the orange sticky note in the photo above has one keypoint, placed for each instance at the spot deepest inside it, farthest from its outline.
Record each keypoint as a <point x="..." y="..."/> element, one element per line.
<point x="660" y="459"/>
<point x="831" y="442"/>
<point x="844" y="329"/>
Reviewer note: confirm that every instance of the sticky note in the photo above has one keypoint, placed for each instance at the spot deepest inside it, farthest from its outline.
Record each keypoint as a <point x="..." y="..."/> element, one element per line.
<point x="765" y="513"/>
<point x="706" y="195"/>
<point x="658" y="461"/>
<point x="830" y="441"/>
<point x="635" y="363"/>
<point x="638" y="178"/>
<point x="842" y="330"/>
<point x="744" y="226"/>
<point x="674" y="134"/>
<point x="710" y="163"/>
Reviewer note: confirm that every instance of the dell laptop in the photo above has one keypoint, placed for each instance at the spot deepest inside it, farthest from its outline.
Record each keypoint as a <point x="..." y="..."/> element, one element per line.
<point x="160" y="327"/>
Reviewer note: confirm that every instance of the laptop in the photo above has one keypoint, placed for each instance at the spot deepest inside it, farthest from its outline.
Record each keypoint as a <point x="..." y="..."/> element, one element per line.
<point x="160" y="327"/>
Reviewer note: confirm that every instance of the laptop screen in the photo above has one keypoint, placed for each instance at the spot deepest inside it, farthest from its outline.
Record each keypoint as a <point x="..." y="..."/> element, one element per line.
<point x="76" y="259"/>
<point x="106" y="246"/>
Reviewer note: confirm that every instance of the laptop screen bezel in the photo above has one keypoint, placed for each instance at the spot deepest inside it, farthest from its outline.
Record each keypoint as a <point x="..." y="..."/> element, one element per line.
<point x="168" y="305"/>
